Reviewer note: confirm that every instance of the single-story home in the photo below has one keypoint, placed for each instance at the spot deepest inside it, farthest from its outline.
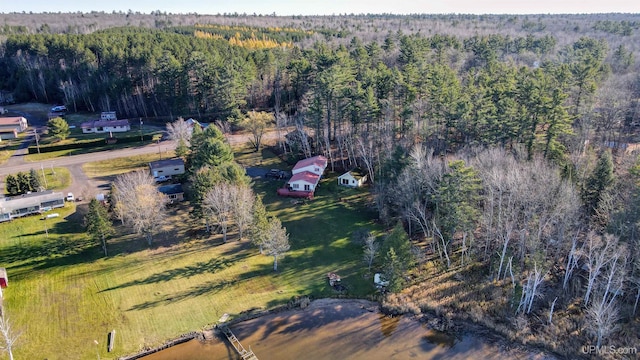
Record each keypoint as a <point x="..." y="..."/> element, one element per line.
<point x="174" y="192"/>
<point x="168" y="167"/>
<point x="353" y="178"/>
<point x="105" y="126"/>
<point x="27" y="204"/>
<point x="304" y="181"/>
<point x="11" y="126"/>
<point x="315" y="165"/>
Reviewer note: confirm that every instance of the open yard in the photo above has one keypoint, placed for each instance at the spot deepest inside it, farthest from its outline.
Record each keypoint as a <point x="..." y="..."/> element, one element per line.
<point x="122" y="165"/>
<point x="63" y="294"/>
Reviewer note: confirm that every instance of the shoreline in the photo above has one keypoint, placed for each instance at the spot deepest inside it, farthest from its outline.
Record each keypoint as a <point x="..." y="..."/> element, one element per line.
<point x="459" y="328"/>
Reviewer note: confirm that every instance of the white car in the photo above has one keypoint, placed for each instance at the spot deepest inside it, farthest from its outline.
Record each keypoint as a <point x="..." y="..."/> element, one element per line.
<point x="70" y="197"/>
<point x="162" y="178"/>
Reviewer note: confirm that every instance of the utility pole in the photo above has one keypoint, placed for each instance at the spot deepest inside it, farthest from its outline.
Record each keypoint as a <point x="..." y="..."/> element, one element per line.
<point x="35" y="133"/>
<point x="44" y="177"/>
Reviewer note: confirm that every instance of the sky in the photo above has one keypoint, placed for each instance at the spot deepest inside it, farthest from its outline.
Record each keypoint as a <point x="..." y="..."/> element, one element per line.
<point x="328" y="7"/>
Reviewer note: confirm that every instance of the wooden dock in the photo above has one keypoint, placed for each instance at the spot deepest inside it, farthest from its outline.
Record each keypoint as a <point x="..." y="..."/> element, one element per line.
<point x="244" y="353"/>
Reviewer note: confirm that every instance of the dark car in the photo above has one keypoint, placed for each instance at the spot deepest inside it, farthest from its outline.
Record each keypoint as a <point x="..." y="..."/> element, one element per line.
<point x="275" y="174"/>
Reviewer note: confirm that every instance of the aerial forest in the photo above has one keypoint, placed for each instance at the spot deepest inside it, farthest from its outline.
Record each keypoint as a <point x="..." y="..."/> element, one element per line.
<point x="504" y="146"/>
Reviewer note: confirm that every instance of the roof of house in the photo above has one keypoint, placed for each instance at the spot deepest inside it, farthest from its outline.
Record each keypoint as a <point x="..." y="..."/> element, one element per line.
<point x="103" y="123"/>
<point x="15" y="120"/>
<point x="171" y="189"/>
<point x="356" y="173"/>
<point x="165" y="163"/>
<point x="306" y="176"/>
<point x="8" y="204"/>
<point x="319" y="160"/>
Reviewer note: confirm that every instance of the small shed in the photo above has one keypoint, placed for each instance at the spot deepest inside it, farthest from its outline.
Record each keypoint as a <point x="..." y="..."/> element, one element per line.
<point x="353" y="178"/>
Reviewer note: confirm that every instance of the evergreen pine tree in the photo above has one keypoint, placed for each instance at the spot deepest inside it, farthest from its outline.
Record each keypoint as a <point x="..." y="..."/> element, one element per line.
<point x="11" y="185"/>
<point x="34" y="180"/>
<point x="598" y="183"/>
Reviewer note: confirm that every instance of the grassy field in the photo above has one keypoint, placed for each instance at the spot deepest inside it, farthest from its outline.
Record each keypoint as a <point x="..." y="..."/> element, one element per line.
<point x="54" y="154"/>
<point x="56" y="178"/>
<point x="122" y="165"/>
<point x="63" y="294"/>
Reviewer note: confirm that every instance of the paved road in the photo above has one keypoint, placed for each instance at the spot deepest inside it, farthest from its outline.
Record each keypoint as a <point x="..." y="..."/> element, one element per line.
<point x="85" y="186"/>
<point x="80" y="183"/>
<point x="67" y="161"/>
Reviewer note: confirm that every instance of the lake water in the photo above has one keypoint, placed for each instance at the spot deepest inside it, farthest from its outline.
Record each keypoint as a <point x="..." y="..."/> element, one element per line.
<point x="330" y="329"/>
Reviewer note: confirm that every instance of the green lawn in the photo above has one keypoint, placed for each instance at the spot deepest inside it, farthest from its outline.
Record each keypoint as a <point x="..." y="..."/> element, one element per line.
<point x="63" y="294"/>
<point x="55" y="154"/>
<point x="122" y="165"/>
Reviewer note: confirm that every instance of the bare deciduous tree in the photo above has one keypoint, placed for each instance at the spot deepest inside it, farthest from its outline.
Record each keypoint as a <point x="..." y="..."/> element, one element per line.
<point x="598" y="253"/>
<point x="180" y="131"/>
<point x="277" y="241"/>
<point x="531" y="290"/>
<point x="572" y="260"/>
<point x="602" y="315"/>
<point x="218" y="206"/>
<point x="241" y="212"/>
<point x="139" y="203"/>
<point x="370" y="250"/>
<point x="9" y="338"/>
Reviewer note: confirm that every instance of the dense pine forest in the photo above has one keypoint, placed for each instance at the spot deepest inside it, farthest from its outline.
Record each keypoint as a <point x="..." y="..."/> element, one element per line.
<point x="504" y="143"/>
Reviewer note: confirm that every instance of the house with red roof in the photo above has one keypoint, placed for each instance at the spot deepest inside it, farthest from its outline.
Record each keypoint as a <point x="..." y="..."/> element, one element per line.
<point x="305" y="179"/>
<point x="315" y="165"/>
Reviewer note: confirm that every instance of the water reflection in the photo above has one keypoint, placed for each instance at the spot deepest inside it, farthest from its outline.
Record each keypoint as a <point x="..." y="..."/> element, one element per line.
<point x="388" y="324"/>
<point x="440" y="338"/>
<point x="332" y="329"/>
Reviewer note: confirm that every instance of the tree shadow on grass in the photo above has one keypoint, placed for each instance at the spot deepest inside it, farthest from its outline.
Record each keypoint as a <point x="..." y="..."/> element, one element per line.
<point x="51" y="252"/>
<point x="207" y="288"/>
<point x="203" y="267"/>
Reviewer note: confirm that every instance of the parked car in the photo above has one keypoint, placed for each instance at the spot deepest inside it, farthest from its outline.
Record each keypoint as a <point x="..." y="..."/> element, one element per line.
<point x="162" y="178"/>
<point x="70" y="197"/>
<point x="59" y="109"/>
<point x="275" y="174"/>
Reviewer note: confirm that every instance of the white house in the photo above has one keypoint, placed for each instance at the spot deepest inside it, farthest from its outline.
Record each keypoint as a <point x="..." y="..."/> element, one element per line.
<point x="105" y="126"/>
<point x="352" y="178"/>
<point x="304" y="181"/>
<point x="166" y="168"/>
<point x="11" y="126"/>
<point x="314" y="165"/>
<point x="27" y="204"/>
